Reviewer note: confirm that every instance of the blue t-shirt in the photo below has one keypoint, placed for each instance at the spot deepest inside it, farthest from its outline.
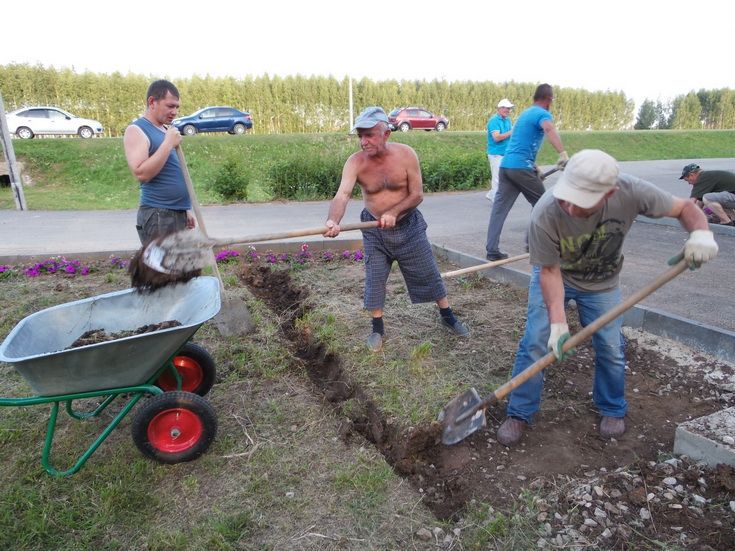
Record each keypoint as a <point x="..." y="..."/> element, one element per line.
<point x="167" y="189"/>
<point x="502" y="125"/>
<point x="526" y="139"/>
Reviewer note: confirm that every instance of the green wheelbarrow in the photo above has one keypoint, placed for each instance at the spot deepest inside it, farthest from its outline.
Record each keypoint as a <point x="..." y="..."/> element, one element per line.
<point x="176" y="423"/>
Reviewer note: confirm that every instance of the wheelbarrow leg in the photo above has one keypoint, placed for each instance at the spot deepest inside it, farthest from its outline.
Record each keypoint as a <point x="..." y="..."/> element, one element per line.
<point x="45" y="456"/>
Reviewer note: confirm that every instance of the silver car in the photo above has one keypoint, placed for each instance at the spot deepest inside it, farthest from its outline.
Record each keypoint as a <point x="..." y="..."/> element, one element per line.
<point x="31" y="121"/>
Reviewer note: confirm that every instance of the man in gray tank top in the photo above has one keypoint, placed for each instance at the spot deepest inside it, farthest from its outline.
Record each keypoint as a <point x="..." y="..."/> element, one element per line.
<point x="576" y="240"/>
<point x="150" y="148"/>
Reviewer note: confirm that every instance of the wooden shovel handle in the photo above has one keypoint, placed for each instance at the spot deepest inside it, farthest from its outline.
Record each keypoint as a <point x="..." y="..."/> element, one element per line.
<point x="190" y="188"/>
<point x="294" y="233"/>
<point x="197" y="211"/>
<point x="485" y="265"/>
<point x="584" y="334"/>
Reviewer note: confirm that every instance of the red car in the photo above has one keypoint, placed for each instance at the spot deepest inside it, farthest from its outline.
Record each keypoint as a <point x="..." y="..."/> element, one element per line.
<point x="407" y="118"/>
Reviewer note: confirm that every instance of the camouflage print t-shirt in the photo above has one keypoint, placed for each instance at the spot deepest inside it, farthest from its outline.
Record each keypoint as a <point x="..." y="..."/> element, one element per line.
<point x="589" y="250"/>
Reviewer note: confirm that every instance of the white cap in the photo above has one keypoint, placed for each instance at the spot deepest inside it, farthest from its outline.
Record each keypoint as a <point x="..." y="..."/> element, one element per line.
<point x="587" y="177"/>
<point x="505" y="102"/>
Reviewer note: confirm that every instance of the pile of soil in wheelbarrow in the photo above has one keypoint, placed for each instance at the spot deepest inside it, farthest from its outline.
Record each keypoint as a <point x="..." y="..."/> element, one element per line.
<point x="96" y="336"/>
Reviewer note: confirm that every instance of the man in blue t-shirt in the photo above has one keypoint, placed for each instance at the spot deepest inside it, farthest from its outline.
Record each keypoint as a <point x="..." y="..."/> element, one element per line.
<point x="499" y="129"/>
<point x="518" y="170"/>
<point x="150" y="147"/>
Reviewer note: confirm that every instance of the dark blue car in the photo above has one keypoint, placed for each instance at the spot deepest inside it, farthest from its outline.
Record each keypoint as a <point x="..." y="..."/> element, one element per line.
<point x="215" y="119"/>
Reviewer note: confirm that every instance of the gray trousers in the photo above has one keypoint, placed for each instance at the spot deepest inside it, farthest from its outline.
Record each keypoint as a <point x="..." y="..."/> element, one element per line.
<point x="152" y="222"/>
<point x="512" y="182"/>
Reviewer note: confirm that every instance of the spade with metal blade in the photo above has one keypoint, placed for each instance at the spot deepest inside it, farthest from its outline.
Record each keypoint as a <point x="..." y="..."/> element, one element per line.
<point x="465" y="414"/>
<point x="188" y="250"/>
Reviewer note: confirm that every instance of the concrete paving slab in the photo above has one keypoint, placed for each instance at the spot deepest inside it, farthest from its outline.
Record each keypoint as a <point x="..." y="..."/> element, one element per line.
<point x="710" y="439"/>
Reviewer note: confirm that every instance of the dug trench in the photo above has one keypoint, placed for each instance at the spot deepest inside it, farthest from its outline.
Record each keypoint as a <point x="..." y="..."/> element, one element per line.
<point x="560" y="453"/>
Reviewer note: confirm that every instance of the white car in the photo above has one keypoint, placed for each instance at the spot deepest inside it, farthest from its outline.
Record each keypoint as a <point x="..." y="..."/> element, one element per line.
<point x="29" y="121"/>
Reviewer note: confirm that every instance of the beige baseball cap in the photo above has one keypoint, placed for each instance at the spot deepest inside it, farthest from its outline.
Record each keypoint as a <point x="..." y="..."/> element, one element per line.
<point x="587" y="177"/>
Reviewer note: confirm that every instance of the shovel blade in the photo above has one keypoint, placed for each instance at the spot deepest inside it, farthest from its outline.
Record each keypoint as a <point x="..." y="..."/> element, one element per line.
<point x="462" y="416"/>
<point x="179" y="252"/>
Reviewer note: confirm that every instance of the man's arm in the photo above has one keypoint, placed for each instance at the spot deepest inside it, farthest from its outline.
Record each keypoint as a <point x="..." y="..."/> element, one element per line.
<point x="338" y="205"/>
<point x="552" y="289"/>
<point x="555" y="140"/>
<point x="701" y="246"/>
<point x="499" y="136"/>
<point x="690" y="216"/>
<point x="415" y="194"/>
<point x="143" y="167"/>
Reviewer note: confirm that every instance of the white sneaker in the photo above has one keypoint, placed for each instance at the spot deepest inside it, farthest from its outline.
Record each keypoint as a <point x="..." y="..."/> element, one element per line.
<point x="490" y="196"/>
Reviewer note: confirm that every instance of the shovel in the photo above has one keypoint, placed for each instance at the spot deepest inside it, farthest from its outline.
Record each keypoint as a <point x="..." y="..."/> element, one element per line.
<point x="465" y="414"/>
<point x="188" y="250"/>
<point x="233" y="317"/>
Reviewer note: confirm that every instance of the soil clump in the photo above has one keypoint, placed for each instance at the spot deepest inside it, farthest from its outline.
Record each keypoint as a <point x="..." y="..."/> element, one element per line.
<point x="96" y="336"/>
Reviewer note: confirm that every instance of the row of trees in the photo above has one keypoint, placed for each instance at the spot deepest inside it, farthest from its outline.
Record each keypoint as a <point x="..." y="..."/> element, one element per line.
<point x="320" y="104"/>
<point x="710" y="109"/>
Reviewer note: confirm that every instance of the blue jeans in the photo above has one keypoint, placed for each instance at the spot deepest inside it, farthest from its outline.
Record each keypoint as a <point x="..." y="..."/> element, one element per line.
<point x="608" y="390"/>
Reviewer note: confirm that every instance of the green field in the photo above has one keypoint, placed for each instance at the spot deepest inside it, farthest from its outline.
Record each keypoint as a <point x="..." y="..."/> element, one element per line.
<point x="70" y="174"/>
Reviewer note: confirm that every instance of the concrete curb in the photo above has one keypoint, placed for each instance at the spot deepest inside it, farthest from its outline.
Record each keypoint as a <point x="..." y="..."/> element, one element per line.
<point x="711" y="340"/>
<point x="717" y="229"/>
<point x="713" y="449"/>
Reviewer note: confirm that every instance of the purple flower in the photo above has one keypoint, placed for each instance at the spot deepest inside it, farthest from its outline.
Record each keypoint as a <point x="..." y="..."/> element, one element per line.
<point x="33" y="271"/>
<point x="358" y="255"/>
<point x="86" y="270"/>
<point x="117" y="262"/>
<point x="327" y="256"/>
<point x="346" y="255"/>
<point x="271" y="258"/>
<point x="283" y="257"/>
<point x="5" y="268"/>
<point x="70" y="269"/>
<point x="253" y="254"/>
<point x="227" y="255"/>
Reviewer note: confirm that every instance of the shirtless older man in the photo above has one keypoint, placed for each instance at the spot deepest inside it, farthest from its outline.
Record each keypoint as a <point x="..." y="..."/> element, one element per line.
<point x="390" y="178"/>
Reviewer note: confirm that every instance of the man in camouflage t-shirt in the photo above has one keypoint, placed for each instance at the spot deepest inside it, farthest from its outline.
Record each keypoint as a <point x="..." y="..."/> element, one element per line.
<point x="576" y="240"/>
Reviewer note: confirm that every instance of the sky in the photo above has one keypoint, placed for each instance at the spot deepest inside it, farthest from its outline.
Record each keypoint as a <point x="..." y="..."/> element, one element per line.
<point x="648" y="49"/>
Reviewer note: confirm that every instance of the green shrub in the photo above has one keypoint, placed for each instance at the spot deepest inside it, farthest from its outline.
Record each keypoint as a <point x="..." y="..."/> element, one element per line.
<point x="455" y="172"/>
<point x="231" y="181"/>
<point x="305" y="177"/>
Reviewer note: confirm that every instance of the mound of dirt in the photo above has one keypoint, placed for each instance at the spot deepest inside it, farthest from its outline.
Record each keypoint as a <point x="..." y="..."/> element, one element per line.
<point x="96" y="336"/>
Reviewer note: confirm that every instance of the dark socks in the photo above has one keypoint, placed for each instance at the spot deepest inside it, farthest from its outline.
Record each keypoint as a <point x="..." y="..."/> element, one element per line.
<point x="448" y="315"/>
<point x="378" y="325"/>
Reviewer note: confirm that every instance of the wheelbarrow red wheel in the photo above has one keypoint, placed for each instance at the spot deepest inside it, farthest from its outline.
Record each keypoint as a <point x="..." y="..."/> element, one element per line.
<point x="196" y="368"/>
<point x="174" y="427"/>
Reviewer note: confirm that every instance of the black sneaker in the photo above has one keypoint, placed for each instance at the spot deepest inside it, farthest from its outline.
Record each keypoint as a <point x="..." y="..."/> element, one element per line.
<point x="459" y="328"/>
<point x="496" y="256"/>
<point x="375" y="342"/>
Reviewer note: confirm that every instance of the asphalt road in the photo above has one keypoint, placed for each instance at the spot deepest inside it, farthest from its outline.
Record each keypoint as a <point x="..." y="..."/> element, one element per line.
<point x="456" y="220"/>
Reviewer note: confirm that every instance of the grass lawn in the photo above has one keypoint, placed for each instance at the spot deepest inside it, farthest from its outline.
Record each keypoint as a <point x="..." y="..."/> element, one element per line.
<point x="63" y="174"/>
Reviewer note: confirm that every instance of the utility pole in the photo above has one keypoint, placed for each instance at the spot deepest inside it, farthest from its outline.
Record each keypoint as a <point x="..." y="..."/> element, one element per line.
<point x="351" y="115"/>
<point x="15" y="182"/>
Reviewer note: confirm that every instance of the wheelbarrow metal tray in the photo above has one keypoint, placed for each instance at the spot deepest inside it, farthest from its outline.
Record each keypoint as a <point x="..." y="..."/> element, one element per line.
<point x="38" y="347"/>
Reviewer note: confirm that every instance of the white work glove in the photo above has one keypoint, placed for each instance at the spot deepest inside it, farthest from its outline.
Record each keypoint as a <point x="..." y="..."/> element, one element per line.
<point x="698" y="249"/>
<point x="558" y="336"/>
<point x="563" y="160"/>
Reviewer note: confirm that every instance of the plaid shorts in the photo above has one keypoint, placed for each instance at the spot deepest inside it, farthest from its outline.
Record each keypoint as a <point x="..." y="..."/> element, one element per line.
<point x="408" y="245"/>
